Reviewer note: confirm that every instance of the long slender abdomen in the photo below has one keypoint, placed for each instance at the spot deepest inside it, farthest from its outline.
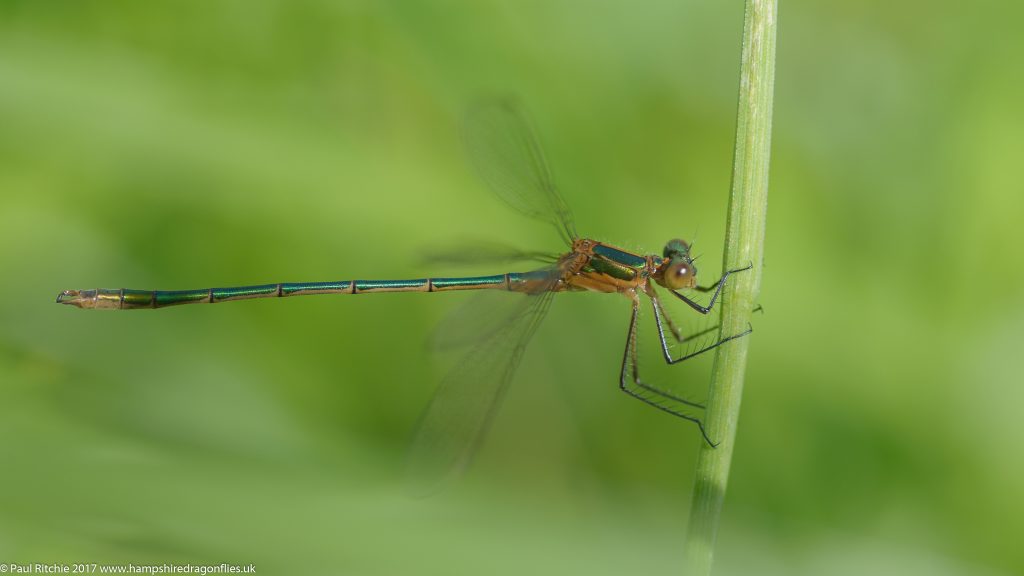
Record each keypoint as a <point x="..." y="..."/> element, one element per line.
<point x="129" y="299"/>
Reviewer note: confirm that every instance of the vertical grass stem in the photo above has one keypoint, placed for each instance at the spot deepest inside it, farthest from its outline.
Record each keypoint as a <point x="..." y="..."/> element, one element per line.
<point x="744" y="243"/>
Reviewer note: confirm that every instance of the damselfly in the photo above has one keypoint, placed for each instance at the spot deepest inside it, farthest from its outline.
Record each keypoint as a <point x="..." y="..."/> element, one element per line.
<point x="504" y="149"/>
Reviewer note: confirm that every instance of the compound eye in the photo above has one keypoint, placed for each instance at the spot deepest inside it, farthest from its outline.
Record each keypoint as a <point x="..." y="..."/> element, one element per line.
<point x="676" y="248"/>
<point x="680" y="275"/>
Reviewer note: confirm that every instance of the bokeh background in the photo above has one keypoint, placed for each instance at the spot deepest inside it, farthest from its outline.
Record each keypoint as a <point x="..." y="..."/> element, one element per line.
<point x="193" y="144"/>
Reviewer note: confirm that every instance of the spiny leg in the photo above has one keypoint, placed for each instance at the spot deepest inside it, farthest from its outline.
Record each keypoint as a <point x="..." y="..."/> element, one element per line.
<point x="659" y="391"/>
<point x="629" y="359"/>
<point x="717" y="287"/>
<point x="659" y="312"/>
<point x="672" y="325"/>
<point x="678" y="334"/>
<point x="656" y="304"/>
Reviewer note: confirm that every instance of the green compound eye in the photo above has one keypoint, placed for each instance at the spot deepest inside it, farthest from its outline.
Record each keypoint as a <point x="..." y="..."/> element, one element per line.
<point x="676" y="248"/>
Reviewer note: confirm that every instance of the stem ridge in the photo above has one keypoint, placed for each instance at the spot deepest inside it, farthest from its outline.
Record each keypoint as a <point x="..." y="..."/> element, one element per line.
<point x="744" y="242"/>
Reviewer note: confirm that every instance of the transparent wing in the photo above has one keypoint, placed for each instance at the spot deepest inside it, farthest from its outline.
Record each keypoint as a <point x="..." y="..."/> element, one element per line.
<point x="467" y="253"/>
<point x="503" y="148"/>
<point x="484" y="314"/>
<point x="462" y="408"/>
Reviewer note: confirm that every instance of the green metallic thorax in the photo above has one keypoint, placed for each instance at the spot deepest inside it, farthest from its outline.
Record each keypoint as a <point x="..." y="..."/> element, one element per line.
<point x="615" y="263"/>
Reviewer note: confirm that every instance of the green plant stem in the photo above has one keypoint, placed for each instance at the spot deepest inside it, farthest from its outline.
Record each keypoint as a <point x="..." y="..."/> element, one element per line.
<point x="744" y="244"/>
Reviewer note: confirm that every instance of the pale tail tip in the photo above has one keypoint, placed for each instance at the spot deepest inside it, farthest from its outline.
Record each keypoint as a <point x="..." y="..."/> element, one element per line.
<point x="79" y="298"/>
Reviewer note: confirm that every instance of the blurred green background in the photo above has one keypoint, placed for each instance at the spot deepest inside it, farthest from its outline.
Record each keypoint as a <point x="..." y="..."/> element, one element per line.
<point x="194" y="144"/>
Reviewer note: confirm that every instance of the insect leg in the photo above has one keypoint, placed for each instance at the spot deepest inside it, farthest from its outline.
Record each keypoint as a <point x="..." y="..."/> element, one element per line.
<point x="677" y="333"/>
<point x="717" y="287"/>
<point x="629" y="378"/>
<point x="664" y="345"/>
